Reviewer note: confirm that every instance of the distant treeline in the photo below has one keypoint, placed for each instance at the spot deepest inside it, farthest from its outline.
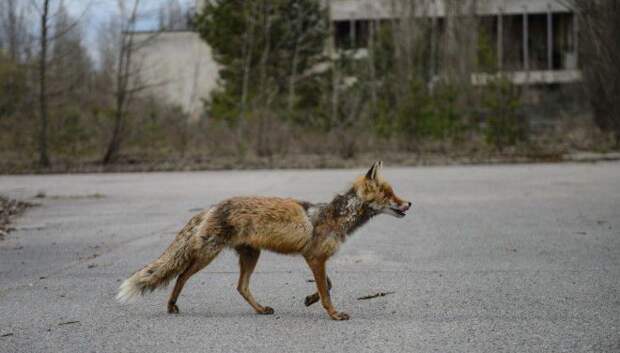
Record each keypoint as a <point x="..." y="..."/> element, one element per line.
<point x="285" y="87"/>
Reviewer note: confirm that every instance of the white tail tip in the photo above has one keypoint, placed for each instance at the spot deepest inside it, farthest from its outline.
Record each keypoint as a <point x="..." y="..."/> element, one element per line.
<point x="128" y="291"/>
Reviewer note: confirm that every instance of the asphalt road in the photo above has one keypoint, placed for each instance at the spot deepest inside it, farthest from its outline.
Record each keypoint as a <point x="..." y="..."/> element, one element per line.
<point x="520" y="258"/>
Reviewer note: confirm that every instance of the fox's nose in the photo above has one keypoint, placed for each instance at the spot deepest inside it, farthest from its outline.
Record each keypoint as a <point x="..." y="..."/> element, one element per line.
<point x="408" y="206"/>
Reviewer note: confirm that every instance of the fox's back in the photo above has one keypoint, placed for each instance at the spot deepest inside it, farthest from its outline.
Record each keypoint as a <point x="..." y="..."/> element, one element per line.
<point x="277" y="224"/>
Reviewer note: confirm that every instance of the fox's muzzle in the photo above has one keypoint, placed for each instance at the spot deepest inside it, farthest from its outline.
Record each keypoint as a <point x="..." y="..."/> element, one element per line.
<point x="400" y="210"/>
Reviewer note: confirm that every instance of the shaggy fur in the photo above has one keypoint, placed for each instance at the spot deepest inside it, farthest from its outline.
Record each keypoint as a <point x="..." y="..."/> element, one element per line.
<point x="282" y="225"/>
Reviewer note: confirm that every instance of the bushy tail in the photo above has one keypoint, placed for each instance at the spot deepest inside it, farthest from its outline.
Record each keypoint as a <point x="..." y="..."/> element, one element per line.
<point x="173" y="261"/>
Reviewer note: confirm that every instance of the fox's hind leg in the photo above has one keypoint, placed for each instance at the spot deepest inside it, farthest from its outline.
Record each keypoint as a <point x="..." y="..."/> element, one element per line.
<point x="313" y="298"/>
<point x="178" y="286"/>
<point x="198" y="264"/>
<point x="248" y="257"/>
<point x="318" y="270"/>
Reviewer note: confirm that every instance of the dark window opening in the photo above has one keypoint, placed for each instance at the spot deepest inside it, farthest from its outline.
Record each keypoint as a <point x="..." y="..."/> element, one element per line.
<point x="512" y="39"/>
<point x="353" y="34"/>
<point x="362" y="33"/>
<point x="342" y="33"/>
<point x="562" y="47"/>
<point x="564" y="56"/>
<point x="487" y="44"/>
<point x="537" y="42"/>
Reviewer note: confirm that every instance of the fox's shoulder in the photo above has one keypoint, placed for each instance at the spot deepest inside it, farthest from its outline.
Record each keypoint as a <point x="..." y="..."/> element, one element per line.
<point x="312" y="210"/>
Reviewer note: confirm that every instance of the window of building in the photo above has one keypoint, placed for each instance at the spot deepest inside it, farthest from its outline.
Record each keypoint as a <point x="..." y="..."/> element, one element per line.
<point x="351" y="34"/>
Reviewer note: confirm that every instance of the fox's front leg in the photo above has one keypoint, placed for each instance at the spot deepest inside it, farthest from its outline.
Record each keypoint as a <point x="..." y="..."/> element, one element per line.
<point x="318" y="270"/>
<point x="314" y="297"/>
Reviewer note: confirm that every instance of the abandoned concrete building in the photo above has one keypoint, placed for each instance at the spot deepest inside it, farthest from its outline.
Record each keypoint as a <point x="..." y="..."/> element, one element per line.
<point x="179" y="68"/>
<point x="534" y="42"/>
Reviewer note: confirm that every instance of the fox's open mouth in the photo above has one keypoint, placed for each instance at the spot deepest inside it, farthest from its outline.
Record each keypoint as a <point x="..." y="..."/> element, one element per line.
<point x="398" y="212"/>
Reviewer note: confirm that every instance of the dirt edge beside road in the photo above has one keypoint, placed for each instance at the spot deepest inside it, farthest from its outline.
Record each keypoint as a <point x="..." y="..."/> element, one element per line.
<point x="9" y="210"/>
<point x="198" y="163"/>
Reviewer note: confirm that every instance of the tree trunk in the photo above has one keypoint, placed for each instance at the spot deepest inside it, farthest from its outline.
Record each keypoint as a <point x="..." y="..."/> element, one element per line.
<point x="293" y="79"/>
<point x="248" y="52"/>
<point x="263" y="148"/>
<point x="12" y="30"/>
<point x="112" y="150"/>
<point x="333" y="116"/>
<point x="124" y="88"/>
<point x="44" y="160"/>
<point x="371" y="64"/>
<point x="247" y="62"/>
<point x="111" y="154"/>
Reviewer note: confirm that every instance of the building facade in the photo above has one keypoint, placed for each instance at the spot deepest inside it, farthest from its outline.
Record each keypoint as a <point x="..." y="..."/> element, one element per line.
<point x="178" y="67"/>
<point x="535" y="42"/>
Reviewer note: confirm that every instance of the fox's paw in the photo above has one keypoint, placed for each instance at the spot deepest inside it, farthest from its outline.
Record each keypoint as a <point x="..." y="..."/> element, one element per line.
<point x="339" y="316"/>
<point x="311" y="299"/>
<point x="266" y="311"/>
<point x="173" y="309"/>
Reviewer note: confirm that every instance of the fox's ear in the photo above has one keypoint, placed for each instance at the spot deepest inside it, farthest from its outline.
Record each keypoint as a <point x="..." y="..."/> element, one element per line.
<point x="373" y="172"/>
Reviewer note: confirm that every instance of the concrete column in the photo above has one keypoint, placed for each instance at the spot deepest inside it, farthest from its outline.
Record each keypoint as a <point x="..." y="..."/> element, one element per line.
<point x="549" y="39"/>
<point x="526" y="49"/>
<point x="200" y="4"/>
<point x="576" y="38"/>
<point x="500" y="40"/>
<point x="433" y="46"/>
<point x="331" y="41"/>
<point x="352" y="31"/>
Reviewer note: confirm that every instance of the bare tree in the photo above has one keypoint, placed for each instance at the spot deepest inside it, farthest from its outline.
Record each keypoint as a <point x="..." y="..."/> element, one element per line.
<point x="67" y="51"/>
<point x="62" y="29"/>
<point x="170" y="16"/>
<point x="127" y="71"/>
<point x="303" y="24"/>
<point x="249" y="12"/>
<point x="123" y="76"/>
<point x="458" y="50"/>
<point x="44" y="160"/>
<point x="599" y="22"/>
<point x="15" y="43"/>
<point x="12" y="27"/>
<point x="335" y="73"/>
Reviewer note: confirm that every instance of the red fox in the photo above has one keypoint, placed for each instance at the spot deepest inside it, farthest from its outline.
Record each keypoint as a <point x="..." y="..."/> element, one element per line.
<point x="286" y="226"/>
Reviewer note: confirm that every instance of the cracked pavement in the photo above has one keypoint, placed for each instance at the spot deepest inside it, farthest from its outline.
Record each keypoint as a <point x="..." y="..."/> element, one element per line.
<point x="515" y="258"/>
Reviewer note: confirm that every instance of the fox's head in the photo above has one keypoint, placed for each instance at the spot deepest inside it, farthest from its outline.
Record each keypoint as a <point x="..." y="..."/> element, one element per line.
<point x="378" y="194"/>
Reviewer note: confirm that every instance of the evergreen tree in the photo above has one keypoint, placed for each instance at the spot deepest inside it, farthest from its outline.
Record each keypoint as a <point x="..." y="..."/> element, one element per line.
<point x="266" y="50"/>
